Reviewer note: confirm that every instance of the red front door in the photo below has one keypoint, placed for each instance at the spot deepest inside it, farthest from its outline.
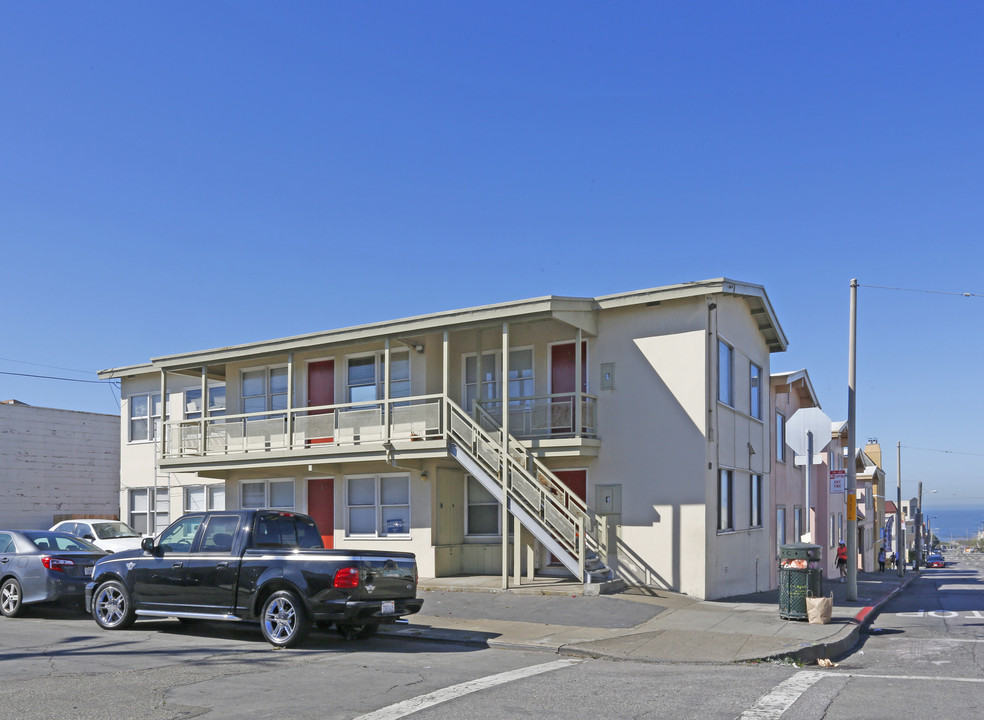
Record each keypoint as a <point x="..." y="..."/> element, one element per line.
<point x="563" y="380"/>
<point x="577" y="481"/>
<point x="321" y="507"/>
<point x="321" y="389"/>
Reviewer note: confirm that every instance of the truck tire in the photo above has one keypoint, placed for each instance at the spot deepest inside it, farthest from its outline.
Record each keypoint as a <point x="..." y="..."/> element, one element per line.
<point x="357" y="631"/>
<point x="112" y="608"/>
<point x="284" y="620"/>
<point x="11" y="598"/>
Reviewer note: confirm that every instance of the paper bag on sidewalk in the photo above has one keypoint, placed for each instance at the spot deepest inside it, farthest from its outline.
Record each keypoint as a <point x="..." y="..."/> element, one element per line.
<point x="819" y="609"/>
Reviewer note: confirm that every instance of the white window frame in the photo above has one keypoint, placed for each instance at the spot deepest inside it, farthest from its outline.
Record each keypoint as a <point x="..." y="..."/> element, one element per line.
<point x="270" y="398"/>
<point x="400" y="387"/>
<point x="268" y="494"/>
<point x="780" y="437"/>
<point x="495" y="384"/>
<point x="192" y="399"/>
<point x="209" y="496"/>
<point x="797" y="522"/>
<point x="158" y="507"/>
<point x="726" y="501"/>
<point x="781" y="528"/>
<point x="153" y="418"/>
<point x="755" y="500"/>
<point x="754" y="391"/>
<point x="379" y="507"/>
<point x="726" y="373"/>
<point x="833" y="529"/>
<point x="469" y="503"/>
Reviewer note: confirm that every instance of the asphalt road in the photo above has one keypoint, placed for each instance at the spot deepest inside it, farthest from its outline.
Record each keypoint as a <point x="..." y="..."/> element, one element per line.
<point x="923" y="658"/>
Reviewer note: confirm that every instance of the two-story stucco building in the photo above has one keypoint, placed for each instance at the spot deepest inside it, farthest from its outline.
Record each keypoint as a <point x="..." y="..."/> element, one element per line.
<point x="508" y="439"/>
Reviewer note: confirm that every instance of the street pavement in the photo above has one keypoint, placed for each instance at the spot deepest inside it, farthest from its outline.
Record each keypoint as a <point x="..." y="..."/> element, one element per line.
<point x="642" y="624"/>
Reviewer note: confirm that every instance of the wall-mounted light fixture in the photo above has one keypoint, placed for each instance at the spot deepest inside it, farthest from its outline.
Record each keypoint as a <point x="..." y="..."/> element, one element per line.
<point x="424" y="475"/>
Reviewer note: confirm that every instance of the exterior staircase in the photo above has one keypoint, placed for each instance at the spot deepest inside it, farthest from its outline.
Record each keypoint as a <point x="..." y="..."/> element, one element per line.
<point x="536" y="498"/>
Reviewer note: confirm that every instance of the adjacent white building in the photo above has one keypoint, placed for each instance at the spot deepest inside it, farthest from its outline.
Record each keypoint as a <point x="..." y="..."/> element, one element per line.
<point x="56" y="465"/>
<point x="510" y="439"/>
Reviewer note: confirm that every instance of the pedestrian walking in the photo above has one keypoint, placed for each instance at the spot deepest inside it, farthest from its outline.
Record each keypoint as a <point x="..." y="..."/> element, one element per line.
<point x="842" y="560"/>
<point x="881" y="559"/>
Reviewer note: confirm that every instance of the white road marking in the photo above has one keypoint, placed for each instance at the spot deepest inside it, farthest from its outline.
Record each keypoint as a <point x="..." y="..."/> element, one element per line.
<point x="773" y="704"/>
<point x="408" y="707"/>
<point x="927" y="678"/>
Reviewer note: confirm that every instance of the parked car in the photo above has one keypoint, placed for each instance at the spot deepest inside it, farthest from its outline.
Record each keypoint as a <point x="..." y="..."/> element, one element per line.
<point x="111" y="535"/>
<point x="265" y="565"/>
<point x="935" y="561"/>
<point x="39" y="566"/>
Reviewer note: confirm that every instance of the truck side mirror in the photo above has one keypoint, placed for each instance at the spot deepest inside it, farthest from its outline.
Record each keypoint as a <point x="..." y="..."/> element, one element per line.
<point x="147" y="544"/>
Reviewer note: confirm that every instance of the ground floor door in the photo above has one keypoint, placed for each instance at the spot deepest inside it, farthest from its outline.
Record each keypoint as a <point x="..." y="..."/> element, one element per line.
<point x="577" y="481"/>
<point x="321" y="507"/>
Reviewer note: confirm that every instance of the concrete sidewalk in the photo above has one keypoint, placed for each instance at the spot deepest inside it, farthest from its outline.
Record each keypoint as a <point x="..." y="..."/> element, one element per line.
<point x="641" y="624"/>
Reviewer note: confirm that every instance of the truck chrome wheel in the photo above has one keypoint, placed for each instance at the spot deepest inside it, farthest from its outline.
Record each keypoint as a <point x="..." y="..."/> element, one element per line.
<point x="111" y="606"/>
<point x="284" y="621"/>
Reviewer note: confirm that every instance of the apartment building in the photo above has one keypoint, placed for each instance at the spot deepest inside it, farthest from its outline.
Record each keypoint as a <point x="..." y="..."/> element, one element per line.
<point x="623" y="436"/>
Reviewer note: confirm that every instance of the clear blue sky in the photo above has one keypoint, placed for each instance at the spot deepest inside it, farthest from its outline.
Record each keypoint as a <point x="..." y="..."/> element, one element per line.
<point x="180" y="176"/>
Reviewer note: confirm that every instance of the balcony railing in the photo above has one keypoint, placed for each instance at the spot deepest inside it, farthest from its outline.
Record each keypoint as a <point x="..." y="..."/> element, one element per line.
<point x="539" y="416"/>
<point x="309" y="428"/>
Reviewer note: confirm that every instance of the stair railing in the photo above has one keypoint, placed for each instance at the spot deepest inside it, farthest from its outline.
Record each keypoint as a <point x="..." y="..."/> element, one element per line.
<point x="528" y="483"/>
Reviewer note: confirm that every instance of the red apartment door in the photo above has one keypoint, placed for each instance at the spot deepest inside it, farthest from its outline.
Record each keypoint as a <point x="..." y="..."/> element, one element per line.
<point x="321" y="388"/>
<point x="577" y="481"/>
<point x="321" y="507"/>
<point x="563" y="380"/>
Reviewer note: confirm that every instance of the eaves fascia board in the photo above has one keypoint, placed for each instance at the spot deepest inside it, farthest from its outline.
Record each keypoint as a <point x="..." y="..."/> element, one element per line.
<point x="126" y="371"/>
<point x="755" y="295"/>
<point x="536" y="308"/>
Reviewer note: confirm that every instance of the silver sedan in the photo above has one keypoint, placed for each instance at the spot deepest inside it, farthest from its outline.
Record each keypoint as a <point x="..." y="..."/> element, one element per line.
<point x="39" y="566"/>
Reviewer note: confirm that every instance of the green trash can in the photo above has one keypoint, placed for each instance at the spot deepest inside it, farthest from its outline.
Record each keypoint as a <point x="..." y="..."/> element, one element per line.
<point x="800" y="575"/>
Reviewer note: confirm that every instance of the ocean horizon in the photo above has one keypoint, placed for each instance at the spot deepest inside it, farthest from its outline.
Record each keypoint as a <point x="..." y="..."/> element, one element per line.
<point x="956" y="523"/>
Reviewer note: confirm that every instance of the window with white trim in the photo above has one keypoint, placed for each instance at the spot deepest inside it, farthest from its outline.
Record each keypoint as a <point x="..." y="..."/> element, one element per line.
<point x="201" y="498"/>
<point x="780" y="527"/>
<point x="797" y="523"/>
<point x="365" y="376"/>
<point x="755" y="500"/>
<point x="145" y="417"/>
<point x="264" y="389"/>
<point x="216" y="402"/>
<point x="377" y="506"/>
<point x="482" y="516"/>
<point x="833" y="529"/>
<point x="149" y="512"/>
<point x="486" y="385"/>
<point x="755" y="391"/>
<point x="726" y="505"/>
<point x="276" y="494"/>
<point x="780" y="437"/>
<point x="726" y="373"/>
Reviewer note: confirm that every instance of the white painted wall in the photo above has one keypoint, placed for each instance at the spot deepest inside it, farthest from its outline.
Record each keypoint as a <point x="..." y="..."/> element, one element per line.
<point x="55" y="462"/>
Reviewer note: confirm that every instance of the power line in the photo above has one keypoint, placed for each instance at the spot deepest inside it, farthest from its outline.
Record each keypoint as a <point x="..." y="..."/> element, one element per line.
<point x="946" y="452"/>
<point x="933" y="292"/>
<point x="53" y="367"/>
<point x="52" y="377"/>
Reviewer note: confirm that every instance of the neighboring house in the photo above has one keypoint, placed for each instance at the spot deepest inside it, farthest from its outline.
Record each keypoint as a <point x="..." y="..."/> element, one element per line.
<point x="56" y="465"/>
<point x="809" y="464"/>
<point x="634" y="427"/>
<point x="871" y="505"/>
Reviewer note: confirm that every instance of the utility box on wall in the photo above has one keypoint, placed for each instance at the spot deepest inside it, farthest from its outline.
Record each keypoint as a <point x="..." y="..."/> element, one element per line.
<point x="608" y="499"/>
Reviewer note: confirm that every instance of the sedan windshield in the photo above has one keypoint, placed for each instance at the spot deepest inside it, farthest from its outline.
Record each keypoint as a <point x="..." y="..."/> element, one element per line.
<point x="110" y="530"/>
<point x="61" y="541"/>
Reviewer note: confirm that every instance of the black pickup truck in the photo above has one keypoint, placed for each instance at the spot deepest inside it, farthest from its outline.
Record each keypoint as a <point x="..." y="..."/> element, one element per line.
<point x="261" y="565"/>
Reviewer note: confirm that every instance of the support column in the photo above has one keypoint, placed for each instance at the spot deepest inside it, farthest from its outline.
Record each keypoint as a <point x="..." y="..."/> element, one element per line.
<point x="386" y="390"/>
<point x="289" y="424"/>
<point x="203" y="422"/>
<point x="504" y="471"/>
<point x="445" y="407"/>
<point x="578" y="386"/>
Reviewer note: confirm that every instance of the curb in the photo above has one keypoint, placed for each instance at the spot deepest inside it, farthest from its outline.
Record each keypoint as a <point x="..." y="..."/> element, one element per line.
<point x="848" y="636"/>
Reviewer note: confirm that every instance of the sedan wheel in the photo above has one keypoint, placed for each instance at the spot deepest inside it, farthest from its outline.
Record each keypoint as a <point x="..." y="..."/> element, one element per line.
<point x="111" y="606"/>
<point x="284" y="621"/>
<point x="11" y="598"/>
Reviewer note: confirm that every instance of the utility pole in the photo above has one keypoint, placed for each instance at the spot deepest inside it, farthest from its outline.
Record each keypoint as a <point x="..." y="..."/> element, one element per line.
<point x="852" y="481"/>
<point x="915" y="563"/>
<point x="899" y="548"/>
